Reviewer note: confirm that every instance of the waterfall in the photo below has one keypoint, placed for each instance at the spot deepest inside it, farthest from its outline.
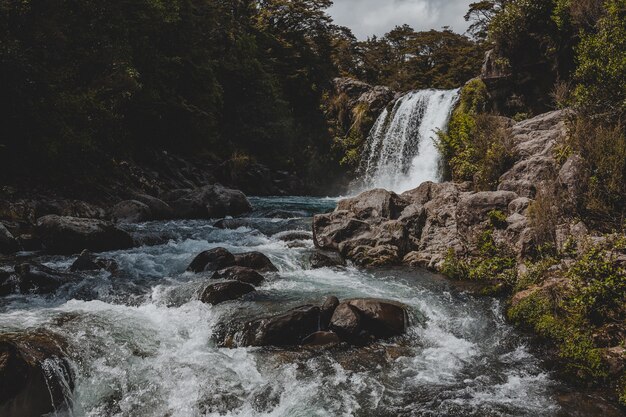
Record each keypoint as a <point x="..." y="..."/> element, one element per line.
<point x="400" y="152"/>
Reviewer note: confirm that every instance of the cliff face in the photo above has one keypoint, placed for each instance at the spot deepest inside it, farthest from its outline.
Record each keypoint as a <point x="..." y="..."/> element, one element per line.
<point x="523" y="238"/>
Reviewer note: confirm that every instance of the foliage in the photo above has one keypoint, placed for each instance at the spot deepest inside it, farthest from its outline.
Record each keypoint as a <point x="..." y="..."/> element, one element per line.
<point x="602" y="64"/>
<point x="476" y="146"/>
<point x="497" y="218"/>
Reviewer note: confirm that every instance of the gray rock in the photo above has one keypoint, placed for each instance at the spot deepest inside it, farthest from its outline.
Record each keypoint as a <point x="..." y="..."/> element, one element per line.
<point x="239" y="273"/>
<point x="287" y="329"/>
<point x="211" y="201"/>
<point x="213" y="259"/>
<point x="159" y="209"/>
<point x="256" y="261"/>
<point x="67" y="235"/>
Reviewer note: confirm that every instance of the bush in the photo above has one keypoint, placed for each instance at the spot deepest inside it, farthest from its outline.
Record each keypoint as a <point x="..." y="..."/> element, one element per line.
<point x="476" y="146"/>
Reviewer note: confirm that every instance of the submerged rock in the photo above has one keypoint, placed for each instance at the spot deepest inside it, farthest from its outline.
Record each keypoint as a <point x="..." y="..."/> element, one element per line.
<point x="325" y="260"/>
<point x="239" y="273"/>
<point x="225" y="291"/>
<point x="321" y="338"/>
<point x="67" y="235"/>
<point x="35" y="375"/>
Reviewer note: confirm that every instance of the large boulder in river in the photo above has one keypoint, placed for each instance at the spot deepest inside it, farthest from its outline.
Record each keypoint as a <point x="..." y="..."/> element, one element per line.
<point x="35" y="375"/>
<point x="362" y="319"/>
<point x="225" y="291"/>
<point x="87" y="261"/>
<point x="256" y="261"/>
<point x="211" y="201"/>
<point x="239" y="273"/>
<point x="8" y="243"/>
<point x="212" y="259"/>
<point x="287" y="329"/>
<point x="66" y="235"/>
<point x="32" y="277"/>
<point x="374" y="204"/>
<point x="159" y="209"/>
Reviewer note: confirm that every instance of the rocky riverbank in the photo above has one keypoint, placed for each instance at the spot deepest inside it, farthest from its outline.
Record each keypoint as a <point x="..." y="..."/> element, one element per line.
<point x="498" y="237"/>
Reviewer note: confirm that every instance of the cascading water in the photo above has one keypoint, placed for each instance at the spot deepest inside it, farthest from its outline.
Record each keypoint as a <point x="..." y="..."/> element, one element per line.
<point x="400" y="152"/>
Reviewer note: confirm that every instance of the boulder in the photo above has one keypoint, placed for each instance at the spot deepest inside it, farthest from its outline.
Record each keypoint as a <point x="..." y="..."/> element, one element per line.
<point x="327" y="310"/>
<point x="35" y="375"/>
<point x="325" y="260"/>
<point x="346" y="322"/>
<point x="256" y="261"/>
<point x="374" y="204"/>
<point x="287" y="329"/>
<point x="225" y="291"/>
<point x="363" y="319"/>
<point x="87" y="261"/>
<point x="131" y="211"/>
<point x="239" y="273"/>
<point x="8" y="243"/>
<point x="212" y="259"/>
<point x="321" y="338"/>
<point x="66" y="235"/>
<point x="159" y="209"/>
<point x="211" y="201"/>
<point x="329" y="230"/>
<point x="290" y="236"/>
<point x="34" y="278"/>
<point x="473" y="208"/>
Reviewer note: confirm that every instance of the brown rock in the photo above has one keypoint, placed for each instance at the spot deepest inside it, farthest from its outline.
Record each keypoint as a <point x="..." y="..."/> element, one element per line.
<point x="213" y="259"/>
<point x="239" y="273"/>
<point x="321" y="339"/>
<point x="225" y="291"/>
<point x="256" y="261"/>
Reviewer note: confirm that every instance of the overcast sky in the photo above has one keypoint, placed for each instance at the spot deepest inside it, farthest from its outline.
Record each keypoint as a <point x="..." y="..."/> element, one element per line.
<point x="377" y="17"/>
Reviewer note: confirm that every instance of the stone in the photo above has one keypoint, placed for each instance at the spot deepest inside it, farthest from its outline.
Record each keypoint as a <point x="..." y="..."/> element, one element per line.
<point x="36" y="377"/>
<point x="213" y="259"/>
<point x="256" y="261"/>
<point x="211" y="201"/>
<point x="374" y="204"/>
<point x="31" y="277"/>
<point x="159" y="209"/>
<point x="67" y="235"/>
<point x="131" y="211"/>
<point x="383" y="319"/>
<point x="87" y="261"/>
<point x="287" y="329"/>
<point x="327" y="310"/>
<point x="8" y="243"/>
<point x="346" y="322"/>
<point x="225" y="291"/>
<point x="239" y="273"/>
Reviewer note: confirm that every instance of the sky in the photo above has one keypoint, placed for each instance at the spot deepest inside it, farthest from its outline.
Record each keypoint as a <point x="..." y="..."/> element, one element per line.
<point x="377" y="17"/>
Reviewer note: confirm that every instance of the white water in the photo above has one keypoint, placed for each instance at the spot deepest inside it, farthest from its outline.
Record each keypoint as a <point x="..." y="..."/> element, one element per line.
<point x="400" y="153"/>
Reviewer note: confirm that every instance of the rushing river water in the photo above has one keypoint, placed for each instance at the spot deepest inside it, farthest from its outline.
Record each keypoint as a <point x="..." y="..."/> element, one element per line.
<point x="142" y="345"/>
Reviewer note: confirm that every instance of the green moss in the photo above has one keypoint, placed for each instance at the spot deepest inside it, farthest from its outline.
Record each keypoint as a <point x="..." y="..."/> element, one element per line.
<point x="497" y="218"/>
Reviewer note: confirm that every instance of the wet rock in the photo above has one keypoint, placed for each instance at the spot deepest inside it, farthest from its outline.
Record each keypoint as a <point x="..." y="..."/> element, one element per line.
<point x="66" y="235"/>
<point x="131" y="211"/>
<point x="87" y="261"/>
<point x="363" y="319"/>
<point x="8" y="243"/>
<point x="325" y="260"/>
<point x="287" y="329"/>
<point x="346" y="321"/>
<point x="225" y="291"/>
<point x="382" y="318"/>
<point x="213" y="259"/>
<point x="232" y="224"/>
<point x="321" y="339"/>
<point x="330" y="230"/>
<point x="327" y="310"/>
<point x="159" y="209"/>
<point x="239" y="273"/>
<point x="35" y="375"/>
<point x="282" y="214"/>
<point x="256" y="261"/>
<point x="211" y="201"/>
<point x="33" y="278"/>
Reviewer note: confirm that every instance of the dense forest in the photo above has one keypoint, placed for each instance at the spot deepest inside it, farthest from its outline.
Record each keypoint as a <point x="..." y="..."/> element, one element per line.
<point x="84" y="83"/>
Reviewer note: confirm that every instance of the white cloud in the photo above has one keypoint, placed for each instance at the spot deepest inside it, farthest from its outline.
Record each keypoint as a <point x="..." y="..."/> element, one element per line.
<point x="377" y="17"/>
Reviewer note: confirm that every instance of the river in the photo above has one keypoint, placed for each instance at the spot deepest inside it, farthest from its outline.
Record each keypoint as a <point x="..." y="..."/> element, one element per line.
<point x="141" y="344"/>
